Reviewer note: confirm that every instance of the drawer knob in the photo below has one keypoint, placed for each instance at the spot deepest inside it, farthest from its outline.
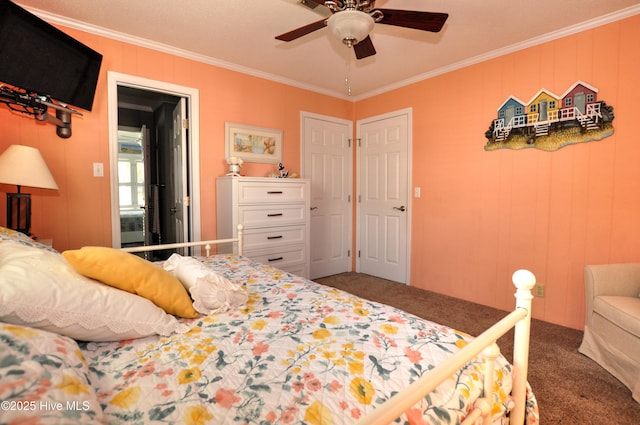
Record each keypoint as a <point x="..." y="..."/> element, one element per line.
<point x="274" y="237"/>
<point x="276" y="259"/>
<point x="274" y="192"/>
<point x="275" y="215"/>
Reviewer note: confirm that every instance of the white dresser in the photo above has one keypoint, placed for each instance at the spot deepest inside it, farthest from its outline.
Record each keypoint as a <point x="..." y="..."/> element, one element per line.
<point x="275" y="216"/>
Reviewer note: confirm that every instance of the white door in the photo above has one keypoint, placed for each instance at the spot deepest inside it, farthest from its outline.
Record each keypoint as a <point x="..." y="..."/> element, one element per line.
<point x="179" y="211"/>
<point x="328" y="159"/>
<point x="383" y="196"/>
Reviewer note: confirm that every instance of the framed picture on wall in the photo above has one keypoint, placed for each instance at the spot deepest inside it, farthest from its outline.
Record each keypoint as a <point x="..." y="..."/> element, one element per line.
<point x="253" y="144"/>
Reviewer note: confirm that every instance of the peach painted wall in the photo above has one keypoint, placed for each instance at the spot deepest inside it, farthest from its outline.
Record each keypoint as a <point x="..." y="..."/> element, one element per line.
<point x="482" y="215"/>
<point x="79" y="212"/>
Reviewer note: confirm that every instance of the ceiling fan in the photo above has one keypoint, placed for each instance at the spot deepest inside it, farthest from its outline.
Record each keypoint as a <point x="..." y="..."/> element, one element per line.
<point x="352" y="21"/>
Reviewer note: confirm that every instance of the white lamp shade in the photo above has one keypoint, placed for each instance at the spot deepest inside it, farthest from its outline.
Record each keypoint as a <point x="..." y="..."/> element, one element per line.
<point x="350" y="25"/>
<point x="24" y="166"/>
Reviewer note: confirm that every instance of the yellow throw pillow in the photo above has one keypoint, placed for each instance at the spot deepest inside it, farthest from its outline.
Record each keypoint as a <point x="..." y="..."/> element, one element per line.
<point x="133" y="274"/>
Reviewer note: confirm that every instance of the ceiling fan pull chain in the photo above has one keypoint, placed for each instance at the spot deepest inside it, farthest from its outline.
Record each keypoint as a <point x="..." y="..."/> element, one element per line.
<point x="347" y="78"/>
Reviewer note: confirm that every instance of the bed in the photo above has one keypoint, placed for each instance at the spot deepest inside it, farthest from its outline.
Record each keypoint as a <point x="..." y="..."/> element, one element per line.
<point x="80" y="343"/>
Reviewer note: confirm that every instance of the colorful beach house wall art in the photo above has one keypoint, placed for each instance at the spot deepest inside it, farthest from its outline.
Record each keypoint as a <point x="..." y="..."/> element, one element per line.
<point x="550" y="122"/>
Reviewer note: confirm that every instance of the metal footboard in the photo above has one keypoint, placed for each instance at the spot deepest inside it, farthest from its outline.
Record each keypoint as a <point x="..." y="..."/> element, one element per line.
<point x="520" y="318"/>
<point x="207" y="244"/>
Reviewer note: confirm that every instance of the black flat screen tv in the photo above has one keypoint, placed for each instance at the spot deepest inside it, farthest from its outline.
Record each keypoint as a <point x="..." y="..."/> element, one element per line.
<point x="39" y="58"/>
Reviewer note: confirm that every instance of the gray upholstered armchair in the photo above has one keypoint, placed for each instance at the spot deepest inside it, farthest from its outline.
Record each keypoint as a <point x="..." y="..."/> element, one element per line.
<point x="612" y="329"/>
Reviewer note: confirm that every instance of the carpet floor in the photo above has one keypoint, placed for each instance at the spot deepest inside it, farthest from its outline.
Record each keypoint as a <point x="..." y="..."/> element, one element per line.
<point x="570" y="387"/>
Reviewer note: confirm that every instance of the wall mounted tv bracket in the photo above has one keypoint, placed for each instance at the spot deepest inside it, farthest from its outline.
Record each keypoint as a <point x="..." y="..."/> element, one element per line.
<point x="33" y="104"/>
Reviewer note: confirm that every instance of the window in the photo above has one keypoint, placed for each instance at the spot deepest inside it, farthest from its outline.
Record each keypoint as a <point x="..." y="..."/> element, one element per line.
<point x="552" y="104"/>
<point x="131" y="183"/>
<point x="568" y="101"/>
<point x="591" y="98"/>
<point x="519" y="110"/>
<point x="533" y="107"/>
<point x="131" y="193"/>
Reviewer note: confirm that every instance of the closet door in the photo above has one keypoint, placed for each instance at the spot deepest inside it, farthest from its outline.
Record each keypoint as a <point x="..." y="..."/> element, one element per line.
<point x="328" y="163"/>
<point x="383" y="196"/>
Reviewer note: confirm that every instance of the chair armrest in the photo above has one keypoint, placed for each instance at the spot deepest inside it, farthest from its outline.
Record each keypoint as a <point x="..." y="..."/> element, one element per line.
<point x="610" y="279"/>
<point x="613" y="279"/>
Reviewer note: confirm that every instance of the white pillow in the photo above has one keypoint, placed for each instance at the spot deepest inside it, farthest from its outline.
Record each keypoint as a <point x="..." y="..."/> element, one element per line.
<point x="38" y="288"/>
<point x="211" y="292"/>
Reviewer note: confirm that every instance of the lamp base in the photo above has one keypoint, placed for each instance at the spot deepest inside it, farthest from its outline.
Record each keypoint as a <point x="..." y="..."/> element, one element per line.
<point x="19" y="212"/>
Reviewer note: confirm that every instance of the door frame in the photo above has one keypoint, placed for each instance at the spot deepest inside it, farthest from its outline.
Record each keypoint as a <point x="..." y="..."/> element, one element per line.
<point x="192" y="96"/>
<point x="408" y="112"/>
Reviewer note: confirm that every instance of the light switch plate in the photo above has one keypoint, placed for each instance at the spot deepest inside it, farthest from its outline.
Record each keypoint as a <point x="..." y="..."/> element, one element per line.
<point x="98" y="169"/>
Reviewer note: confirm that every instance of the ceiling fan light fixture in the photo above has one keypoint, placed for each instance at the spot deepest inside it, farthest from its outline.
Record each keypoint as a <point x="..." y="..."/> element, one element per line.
<point x="350" y="26"/>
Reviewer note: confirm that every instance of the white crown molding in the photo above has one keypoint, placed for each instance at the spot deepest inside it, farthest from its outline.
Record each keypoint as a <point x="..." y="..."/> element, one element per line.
<point x="153" y="45"/>
<point x="574" y="29"/>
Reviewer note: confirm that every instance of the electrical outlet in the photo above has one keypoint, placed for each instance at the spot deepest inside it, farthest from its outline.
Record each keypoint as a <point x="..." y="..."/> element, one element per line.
<point x="538" y="290"/>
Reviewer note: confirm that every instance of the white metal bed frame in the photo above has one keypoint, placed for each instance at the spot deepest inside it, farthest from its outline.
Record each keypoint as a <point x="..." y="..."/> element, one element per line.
<point x="519" y="318"/>
<point x="206" y="244"/>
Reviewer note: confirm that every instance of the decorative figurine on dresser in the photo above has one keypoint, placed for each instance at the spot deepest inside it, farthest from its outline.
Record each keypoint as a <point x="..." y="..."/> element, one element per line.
<point x="275" y="216"/>
<point x="234" y="166"/>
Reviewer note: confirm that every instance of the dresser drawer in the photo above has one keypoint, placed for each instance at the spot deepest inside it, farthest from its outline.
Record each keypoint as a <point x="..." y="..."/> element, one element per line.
<point x="261" y="192"/>
<point x="271" y="215"/>
<point x="284" y="258"/>
<point x="297" y="269"/>
<point x="261" y="238"/>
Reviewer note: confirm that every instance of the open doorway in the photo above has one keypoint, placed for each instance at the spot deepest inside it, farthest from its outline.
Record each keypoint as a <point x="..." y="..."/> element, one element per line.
<point x="149" y="188"/>
<point x="154" y="163"/>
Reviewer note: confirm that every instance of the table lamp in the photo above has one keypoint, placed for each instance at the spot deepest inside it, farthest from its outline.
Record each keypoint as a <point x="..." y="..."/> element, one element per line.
<point x="23" y="166"/>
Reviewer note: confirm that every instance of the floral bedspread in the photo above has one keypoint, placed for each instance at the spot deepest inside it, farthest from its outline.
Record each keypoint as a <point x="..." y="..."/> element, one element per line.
<point x="296" y="353"/>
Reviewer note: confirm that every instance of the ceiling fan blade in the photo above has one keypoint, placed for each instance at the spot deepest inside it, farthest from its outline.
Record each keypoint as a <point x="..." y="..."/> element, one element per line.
<point x="312" y="4"/>
<point x="299" y="32"/>
<point x="426" y="21"/>
<point x="364" y="48"/>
